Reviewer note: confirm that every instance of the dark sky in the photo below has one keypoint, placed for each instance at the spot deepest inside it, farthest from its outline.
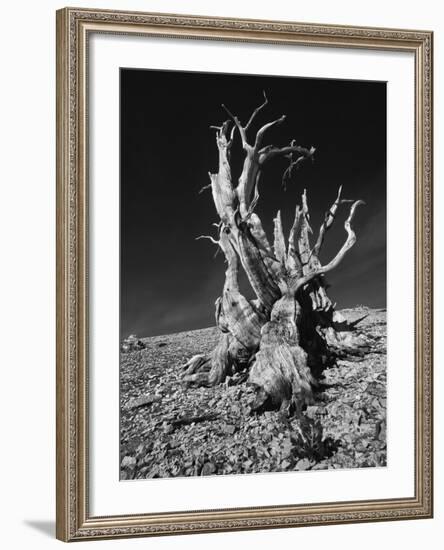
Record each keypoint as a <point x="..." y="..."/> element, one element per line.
<point x="169" y="281"/>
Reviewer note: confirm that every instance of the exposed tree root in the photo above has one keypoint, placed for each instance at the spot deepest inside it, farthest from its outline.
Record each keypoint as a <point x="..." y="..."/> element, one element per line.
<point x="227" y="358"/>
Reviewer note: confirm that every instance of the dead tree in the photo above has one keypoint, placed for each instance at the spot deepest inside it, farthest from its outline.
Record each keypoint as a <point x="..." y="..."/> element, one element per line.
<point x="287" y="332"/>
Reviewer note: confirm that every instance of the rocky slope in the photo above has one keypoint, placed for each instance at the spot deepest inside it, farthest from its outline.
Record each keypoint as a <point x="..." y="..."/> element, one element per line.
<point x="168" y="430"/>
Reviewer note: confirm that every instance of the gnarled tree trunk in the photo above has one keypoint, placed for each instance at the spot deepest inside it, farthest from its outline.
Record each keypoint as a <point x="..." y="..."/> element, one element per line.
<point x="285" y="336"/>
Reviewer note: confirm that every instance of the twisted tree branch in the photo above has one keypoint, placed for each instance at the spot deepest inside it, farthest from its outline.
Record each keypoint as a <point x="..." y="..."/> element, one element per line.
<point x="351" y="239"/>
<point x="328" y="221"/>
<point x="256" y="111"/>
<point x="270" y="151"/>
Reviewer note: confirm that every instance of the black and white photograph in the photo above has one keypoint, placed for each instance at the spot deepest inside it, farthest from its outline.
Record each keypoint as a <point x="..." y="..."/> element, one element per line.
<point x="220" y="321"/>
<point x="252" y="274"/>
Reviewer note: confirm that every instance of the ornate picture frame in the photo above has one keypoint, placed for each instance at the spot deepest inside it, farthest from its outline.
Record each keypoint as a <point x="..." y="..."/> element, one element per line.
<point x="75" y="520"/>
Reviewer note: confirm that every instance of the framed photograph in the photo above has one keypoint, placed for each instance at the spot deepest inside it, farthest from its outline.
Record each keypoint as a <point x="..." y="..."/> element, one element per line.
<point x="244" y="274"/>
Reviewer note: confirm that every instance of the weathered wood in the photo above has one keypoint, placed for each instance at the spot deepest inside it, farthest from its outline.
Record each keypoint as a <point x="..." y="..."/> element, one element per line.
<point x="350" y="241"/>
<point x="280" y="368"/>
<point x="282" y="336"/>
<point x="280" y="251"/>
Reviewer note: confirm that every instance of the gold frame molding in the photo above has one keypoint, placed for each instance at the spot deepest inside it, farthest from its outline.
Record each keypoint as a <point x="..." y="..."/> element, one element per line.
<point x="73" y="519"/>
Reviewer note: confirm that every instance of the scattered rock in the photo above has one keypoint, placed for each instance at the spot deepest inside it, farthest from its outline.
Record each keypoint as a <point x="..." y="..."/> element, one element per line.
<point x="132" y="343"/>
<point x="167" y="428"/>
<point x="303" y="464"/>
<point x="128" y="463"/>
<point x="211" y="431"/>
<point x="143" y="401"/>
<point x="208" y="469"/>
<point x="229" y="429"/>
<point x="287" y="447"/>
<point x="185" y="420"/>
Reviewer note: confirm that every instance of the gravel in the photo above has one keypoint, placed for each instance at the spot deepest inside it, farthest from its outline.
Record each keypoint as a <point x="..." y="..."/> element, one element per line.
<point x="169" y="430"/>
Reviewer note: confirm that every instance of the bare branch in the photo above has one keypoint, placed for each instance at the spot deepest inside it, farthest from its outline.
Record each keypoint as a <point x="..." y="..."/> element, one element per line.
<point x="351" y="239"/>
<point x="295" y="228"/>
<point x="270" y="151"/>
<point x="303" y="241"/>
<point x="279" y="241"/>
<point x="202" y="189"/>
<point x="261" y="131"/>
<point x="256" y="111"/>
<point x="239" y="126"/>
<point x="228" y="111"/>
<point x="293" y="260"/>
<point x="289" y="170"/>
<point x="209" y="237"/>
<point x="232" y="132"/>
<point x="328" y="221"/>
<point x="305" y="211"/>
<point x="329" y="217"/>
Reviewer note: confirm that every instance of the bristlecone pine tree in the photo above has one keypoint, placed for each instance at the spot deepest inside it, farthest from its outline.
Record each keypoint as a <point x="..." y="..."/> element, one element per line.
<point x="282" y="339"/>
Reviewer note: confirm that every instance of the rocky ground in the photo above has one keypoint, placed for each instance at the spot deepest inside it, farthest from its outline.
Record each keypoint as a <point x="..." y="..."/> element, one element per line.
<point x="168" y="430"/>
